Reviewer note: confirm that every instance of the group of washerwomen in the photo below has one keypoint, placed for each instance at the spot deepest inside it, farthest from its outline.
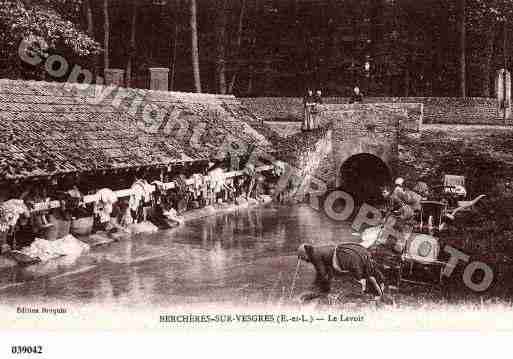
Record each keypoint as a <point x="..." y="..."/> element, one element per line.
<point x="167" y="206"/>
<point x="330" y="261"/>
<point x="204" y="191"/>
<point x="311" y="101"/>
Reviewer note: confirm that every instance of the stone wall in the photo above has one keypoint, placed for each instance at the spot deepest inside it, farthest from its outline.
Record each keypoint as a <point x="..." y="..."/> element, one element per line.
<point x="317" y="161"/>
<point x="453" y="110"/>
<point x="471" y="110"/>
<point x="364" y="128"/>
<point x="285" y="128"/>
<point x="353" y="129"/>
<point x="329" y="113"/>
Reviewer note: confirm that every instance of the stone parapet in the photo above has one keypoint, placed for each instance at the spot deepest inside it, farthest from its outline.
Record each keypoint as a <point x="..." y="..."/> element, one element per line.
<point x="446" y="110"/>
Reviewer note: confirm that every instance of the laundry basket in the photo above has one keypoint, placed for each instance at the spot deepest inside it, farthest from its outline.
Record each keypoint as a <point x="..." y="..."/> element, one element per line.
<point x="82" y="226"/>
<point x="60" y="228"/>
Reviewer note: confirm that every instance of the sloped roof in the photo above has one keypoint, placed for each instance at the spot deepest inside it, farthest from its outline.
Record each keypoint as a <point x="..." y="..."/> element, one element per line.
<point x="200" y="123"/>
<point x="50" y="128"/>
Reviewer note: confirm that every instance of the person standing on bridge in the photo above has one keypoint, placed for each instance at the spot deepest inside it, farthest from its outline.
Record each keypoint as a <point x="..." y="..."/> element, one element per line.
<point x="308" y="106"/>
<point x="318" y="97"/>
<point x="315" y="110"/>
<point x="357" y="96"/>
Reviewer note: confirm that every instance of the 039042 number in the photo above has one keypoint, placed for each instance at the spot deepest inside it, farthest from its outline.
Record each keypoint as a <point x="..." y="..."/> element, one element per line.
<point x="27" y="349"/>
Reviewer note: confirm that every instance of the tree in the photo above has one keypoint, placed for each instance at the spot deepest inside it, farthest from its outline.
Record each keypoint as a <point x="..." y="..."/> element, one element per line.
<point x="462" y="43"/>
<point x="249" y="42"/>
<point x="194" y="45"/>
<point x="88" y="11"/>
<point x="239" y="43"/>
<point x="485" y="24"/>
<point x="221" y="42"/>
<point x="482" y="21"/>
<point x="173" y="50"/>
<point x="89" y="18"/>
<point x="106" y="34"/>
<point x="132" y="46"/>
<point x="45" y="30"/>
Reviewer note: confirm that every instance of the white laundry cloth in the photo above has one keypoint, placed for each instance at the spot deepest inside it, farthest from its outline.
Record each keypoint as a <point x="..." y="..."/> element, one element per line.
<point x="65" y="246"/>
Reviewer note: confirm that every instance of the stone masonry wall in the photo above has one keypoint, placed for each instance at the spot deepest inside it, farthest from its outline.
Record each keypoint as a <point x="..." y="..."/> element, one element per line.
<point x="447" y="110"/>
<point x="329" y="113"/>
<point x="365" y="128"/>
<point x="285" y="128"/>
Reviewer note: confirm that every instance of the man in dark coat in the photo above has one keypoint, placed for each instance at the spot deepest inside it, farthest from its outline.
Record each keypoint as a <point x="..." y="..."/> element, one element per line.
<point x="357" y="96"/>
<point x="330" y="261"/>
<point x="314" y="110"/>
<point x="318" y="97"/>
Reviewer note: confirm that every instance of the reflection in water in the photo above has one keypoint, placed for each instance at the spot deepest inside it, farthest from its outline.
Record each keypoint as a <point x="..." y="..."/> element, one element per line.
<point x="236" y="257"/>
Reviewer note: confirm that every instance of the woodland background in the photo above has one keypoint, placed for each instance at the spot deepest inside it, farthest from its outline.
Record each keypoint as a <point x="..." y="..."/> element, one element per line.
<point x="272" y="48"/>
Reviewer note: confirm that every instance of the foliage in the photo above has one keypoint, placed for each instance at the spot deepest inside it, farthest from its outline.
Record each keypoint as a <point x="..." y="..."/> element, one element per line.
<point x="44" y="27"/>
<point x="286" y="45"/>
<point x="484" y="158"/>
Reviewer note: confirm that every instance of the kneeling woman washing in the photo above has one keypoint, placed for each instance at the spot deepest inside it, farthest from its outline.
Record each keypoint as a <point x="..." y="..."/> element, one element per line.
<point x="330" y="261"/>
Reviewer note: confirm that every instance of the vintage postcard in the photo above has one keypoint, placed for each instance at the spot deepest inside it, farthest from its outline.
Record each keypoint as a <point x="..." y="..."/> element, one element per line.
<point x="255" y="165"/>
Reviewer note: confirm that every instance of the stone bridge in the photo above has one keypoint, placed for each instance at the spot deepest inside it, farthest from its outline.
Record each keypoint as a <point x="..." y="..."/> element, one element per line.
<point x="360" y="143"/>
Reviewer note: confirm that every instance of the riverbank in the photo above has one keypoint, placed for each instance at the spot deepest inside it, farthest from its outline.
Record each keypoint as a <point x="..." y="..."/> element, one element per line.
<point x="243" y="258"/>
<point x="482" y="154"/>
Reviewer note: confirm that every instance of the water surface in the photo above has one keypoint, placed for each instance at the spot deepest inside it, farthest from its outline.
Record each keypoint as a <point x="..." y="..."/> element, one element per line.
<point x="240" y="257"/>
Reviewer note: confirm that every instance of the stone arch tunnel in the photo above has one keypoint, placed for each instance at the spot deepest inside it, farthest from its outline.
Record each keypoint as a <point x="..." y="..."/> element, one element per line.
<point x="365" y="163"/>
<point x="357" y="148"/>
<point x="363" y="175"/>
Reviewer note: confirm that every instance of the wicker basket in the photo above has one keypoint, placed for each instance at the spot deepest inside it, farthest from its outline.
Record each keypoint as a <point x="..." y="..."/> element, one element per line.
<point x="82" y="226"/>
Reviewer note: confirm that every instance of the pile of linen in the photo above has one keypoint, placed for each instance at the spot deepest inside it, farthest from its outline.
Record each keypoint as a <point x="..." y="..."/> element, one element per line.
<point x="47" y="250"/>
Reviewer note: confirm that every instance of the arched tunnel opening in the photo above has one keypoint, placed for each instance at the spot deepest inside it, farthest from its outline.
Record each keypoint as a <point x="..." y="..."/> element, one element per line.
<point x="363" y="176"/>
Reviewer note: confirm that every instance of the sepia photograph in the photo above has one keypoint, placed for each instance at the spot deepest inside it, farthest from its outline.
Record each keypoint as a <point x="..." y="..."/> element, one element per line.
<point x="269" y="165"/>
